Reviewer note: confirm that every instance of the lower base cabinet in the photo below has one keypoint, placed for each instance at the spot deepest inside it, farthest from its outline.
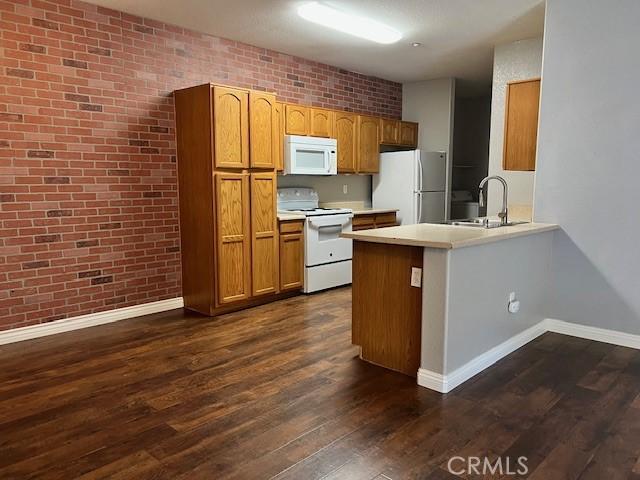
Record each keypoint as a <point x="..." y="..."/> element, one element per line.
<point x="366" y="221"/>
<point x="291" y="255"/>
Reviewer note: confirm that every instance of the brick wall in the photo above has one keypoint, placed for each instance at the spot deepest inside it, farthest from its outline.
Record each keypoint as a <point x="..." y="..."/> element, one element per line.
<point x="88" y="191"/>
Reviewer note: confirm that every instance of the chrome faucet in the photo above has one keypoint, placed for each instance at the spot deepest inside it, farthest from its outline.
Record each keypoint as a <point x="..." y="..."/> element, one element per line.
<point x="503" y="215"/>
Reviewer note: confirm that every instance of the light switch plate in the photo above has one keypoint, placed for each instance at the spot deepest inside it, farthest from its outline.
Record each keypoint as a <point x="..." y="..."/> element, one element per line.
<point x="416" y="277"/>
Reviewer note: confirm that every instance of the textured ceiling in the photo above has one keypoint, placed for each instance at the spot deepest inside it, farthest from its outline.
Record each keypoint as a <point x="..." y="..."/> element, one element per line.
<point x="457" y="36"/>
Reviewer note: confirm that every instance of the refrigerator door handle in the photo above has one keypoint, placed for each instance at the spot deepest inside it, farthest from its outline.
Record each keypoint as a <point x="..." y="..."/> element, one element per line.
<point x="419" y="197"/>
<point x="420" y="176"/>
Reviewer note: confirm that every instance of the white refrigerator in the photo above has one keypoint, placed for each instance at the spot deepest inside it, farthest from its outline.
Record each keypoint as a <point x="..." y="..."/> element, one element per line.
<point x="415" y="183"/>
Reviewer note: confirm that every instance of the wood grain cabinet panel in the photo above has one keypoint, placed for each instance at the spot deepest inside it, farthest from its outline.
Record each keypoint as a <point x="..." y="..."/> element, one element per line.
<point x="389" y="131"/>
<point x="281" y="127"/>
<point x="368" y="144"/>
<point x="346" y="133"/>
<point x="231" y="127"/>
<point x="291" y="255"/>
<point x="264" y="233"/>
<point x="521" y="125"/>
<point x="408" y="134"/>
<point x="296" y="119"/>
<point x="233" y="237"/>
<point x="321" y="122"/>
<point x="263" y="130"/>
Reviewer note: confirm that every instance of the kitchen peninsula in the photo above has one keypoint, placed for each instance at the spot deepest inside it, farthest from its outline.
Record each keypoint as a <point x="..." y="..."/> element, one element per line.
<point x="433" y="299"/>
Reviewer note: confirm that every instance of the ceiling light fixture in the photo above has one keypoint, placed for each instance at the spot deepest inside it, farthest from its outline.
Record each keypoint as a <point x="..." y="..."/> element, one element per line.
<point x="416" y="44"/>
<point x="347" y="23"/>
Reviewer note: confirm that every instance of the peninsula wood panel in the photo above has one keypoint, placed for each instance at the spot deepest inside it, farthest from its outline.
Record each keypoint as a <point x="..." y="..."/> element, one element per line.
<point x="195" y="183"/>
<point x="321" y="122"/>
<point x="296" y="119"/>
<point x="346" y="133"/>
<point x="521" y="125"/>
<point x="279" y="109"/>
<point x="389" y="131"/>
<point x="386" y="309"/>
<point x="231" y="127"/>
<point x="234" y="238"/>
<point x="368" y="144"/>
<point x="263" y="130"/>
<point x="291" y="255"/>
<point x="264" y="234"/>
<point x="408" y="134"/>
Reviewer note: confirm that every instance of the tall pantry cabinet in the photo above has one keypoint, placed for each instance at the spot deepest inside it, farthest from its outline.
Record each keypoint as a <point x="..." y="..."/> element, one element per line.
<point x="228" y="151"/>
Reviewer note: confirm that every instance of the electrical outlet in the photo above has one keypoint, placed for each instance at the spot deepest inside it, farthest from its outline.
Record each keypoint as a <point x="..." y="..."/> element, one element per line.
<point x="416" y="277"/>
<point x="345" y="188"/>
<point x="514" y="305"/>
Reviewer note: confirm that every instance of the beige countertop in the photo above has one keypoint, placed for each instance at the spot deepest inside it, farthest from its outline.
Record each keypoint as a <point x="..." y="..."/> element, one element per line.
<point x="290" y="216"/>
<point x="446" y="236"/>
<point x="369" y="210"/>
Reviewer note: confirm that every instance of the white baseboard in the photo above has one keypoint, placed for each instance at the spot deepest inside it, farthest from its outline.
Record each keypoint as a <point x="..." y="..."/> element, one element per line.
<point x="593" y="333"/>
<point x="89" y="320"/>
<point x="446" y="383"/>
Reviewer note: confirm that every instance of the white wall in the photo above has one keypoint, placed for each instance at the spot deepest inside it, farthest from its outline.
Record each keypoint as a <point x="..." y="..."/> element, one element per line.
<point x="330" y="188"/>
<point x="431" y="103"/>
<point x="515" y="61"/>
<point x="588" y="172"/>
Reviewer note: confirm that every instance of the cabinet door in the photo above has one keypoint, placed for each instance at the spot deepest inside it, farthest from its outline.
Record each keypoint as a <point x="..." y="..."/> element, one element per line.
<point x="231" y="127"/>
<point x="368" y="145"/>
<point x="292" y="257"/>
<point x="296" y="120"/>
<point x="233" y="237"/>
<point x="263" y="130"/>
<point x="346" y="132"/>
<point x="264" y="233"/>
<point x="280" y="120"/>
<point x="409" y="134"/>
<point x="321" y="122"/>
<point x="389" y="131"/>
<point x="521" y="125"/>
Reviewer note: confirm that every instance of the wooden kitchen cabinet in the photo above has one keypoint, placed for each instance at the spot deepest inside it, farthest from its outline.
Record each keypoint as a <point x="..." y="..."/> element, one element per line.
<point x="321" y="122"/>
<point x="389" y="131"/>
<point x="279" y="109"/>
<point x="264" y="233"/>
<point x="366" y="221"/>
<point x="231" y="127"/>
<point x="297" y="119"/>
<point x="291" y="255"/>
<point x="233" y="259"/>
<point x="368" y="144"/>
<point x="521" y="125"/>
<point x="346" y="132"/>
<point x="408" y="134"/>
<point x="263" y="130"/>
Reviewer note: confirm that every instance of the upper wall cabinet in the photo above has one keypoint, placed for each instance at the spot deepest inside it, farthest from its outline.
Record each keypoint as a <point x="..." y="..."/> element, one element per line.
<point x="346" y="132"/>
<point x="321" y="122"/>
<point x="408" y="134"/>
<point x="263" y="130"/>
<point x="297" y="120"/>
<point x="231" y="127"/>
<point x="521" y="125"/>
<point x="368" y="144"/>
<point x="389" y="131"/>
<point x="281" y="129"/>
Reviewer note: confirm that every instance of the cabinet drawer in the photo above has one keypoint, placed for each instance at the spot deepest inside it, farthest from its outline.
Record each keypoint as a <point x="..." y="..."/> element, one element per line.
<point x="363" y="222"/>
<point x="385" y="219"/>
<point x="291" y="226"/>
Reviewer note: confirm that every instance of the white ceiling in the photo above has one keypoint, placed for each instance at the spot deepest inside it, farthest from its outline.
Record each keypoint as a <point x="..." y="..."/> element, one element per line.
<point x="457" y="36"/>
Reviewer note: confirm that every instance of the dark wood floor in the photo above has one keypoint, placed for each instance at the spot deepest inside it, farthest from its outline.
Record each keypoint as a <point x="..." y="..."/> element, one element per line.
<point x="278" y="391"/>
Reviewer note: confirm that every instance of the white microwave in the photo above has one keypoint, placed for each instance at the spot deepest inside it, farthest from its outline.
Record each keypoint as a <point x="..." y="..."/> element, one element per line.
<point x="310" y="155"/>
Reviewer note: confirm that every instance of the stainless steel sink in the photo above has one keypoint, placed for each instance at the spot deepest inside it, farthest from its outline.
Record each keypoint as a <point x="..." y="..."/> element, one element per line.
<point x="482" y="222"/>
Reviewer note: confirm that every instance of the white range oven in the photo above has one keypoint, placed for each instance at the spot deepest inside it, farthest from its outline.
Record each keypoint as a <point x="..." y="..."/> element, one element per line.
<point x="327" y="257"/>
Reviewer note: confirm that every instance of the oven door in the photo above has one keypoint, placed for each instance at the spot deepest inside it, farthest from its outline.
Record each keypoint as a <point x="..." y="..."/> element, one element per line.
<point x="322" y="239"/>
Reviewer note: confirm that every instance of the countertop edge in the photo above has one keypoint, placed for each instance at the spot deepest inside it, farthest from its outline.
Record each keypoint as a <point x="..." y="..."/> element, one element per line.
<point x="451" y="245"/>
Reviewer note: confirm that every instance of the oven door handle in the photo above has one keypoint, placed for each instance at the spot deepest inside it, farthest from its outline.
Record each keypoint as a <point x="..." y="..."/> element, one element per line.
<point x="320" y="222"/>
